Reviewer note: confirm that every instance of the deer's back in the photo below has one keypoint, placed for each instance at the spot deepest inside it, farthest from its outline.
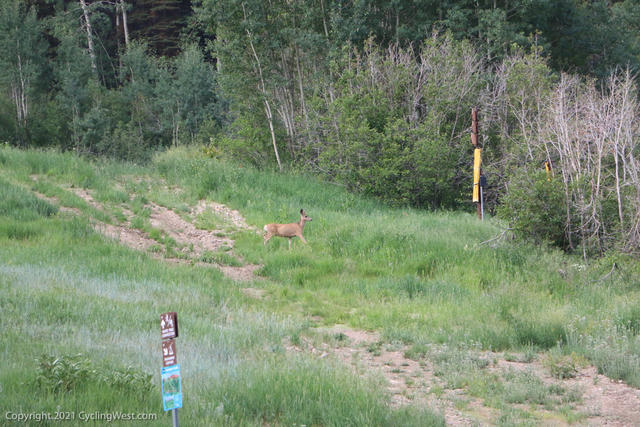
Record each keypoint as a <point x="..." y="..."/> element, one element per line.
<point x="283" y="230"/>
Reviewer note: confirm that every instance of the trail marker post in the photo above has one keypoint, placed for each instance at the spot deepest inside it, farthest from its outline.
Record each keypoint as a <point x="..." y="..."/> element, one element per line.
<point x="477" y="164"/>
<point x="170" y="372"/>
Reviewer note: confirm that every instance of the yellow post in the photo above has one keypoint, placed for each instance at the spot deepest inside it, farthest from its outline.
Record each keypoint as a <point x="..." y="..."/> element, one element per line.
<point x="547" y="167"/>
<point x="477" y="163"/>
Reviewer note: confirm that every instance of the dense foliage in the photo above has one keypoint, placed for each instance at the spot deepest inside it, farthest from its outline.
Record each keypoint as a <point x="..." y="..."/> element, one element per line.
<point x="374" y="95"/>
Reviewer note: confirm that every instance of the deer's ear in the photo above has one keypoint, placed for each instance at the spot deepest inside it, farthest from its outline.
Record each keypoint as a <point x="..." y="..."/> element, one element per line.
<point x="301" y="211"/>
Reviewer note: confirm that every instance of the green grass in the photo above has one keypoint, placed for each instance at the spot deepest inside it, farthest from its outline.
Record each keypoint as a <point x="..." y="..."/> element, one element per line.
<point x="421" y="279"/>
<point x="81" y="321"/>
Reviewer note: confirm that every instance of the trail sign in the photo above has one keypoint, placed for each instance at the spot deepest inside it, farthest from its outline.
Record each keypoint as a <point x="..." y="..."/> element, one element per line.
<point x="170" y="373"/>
<point x="171" y="388"/>
<point x="169" y="356"/>
<point x="169" y="325"/>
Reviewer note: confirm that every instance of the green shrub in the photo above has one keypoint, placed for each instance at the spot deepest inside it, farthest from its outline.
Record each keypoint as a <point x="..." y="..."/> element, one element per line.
<point x="63" y="374"/>
<point x="535" y="208"/>
<point x="562" y="366"/>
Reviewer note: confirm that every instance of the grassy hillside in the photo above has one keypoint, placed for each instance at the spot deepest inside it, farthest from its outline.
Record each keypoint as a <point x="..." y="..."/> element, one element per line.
<point x="80" y="312"/>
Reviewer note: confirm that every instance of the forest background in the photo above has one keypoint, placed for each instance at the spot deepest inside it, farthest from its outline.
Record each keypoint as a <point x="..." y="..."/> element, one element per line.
<point x="372" y="95"/>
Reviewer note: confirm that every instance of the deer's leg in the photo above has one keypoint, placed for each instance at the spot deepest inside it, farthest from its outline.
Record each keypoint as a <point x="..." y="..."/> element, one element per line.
<point x="289" y="243"/>
<point x="302" y="238"/>
<point x="267" y="236"/>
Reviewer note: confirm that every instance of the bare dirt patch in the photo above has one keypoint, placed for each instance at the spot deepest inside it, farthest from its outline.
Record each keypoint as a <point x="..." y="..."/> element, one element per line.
<point x="132" y="238"/>
<point x="232" y="216"/>
<point x="185" y="233"/>
<point x="604" y="401"/>
<point x="408" y="381"/>
<point x="193" y="243"/>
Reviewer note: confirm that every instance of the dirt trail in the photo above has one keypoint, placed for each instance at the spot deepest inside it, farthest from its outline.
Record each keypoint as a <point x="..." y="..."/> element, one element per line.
<point x="185" y="233"/>
<point x="604" y="402"/>
<point x="192" y="243"/>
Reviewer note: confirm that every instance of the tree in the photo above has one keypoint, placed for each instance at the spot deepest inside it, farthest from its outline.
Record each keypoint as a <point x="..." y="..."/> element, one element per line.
<point x="125" y="25"/>
<point x="185" y="94"/>
<point x="72" y="70"/>
<point x="87" y="21"/>
<point x="22" y="55"/>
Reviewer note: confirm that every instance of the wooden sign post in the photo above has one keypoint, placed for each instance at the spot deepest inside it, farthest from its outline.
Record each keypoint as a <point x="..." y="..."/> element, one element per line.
<point x="170" y="373"/>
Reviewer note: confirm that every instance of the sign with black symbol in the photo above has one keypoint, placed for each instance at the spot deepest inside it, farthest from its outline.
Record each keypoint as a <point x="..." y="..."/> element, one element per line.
<point x="169" y="325"/>
<point x="169" y="356"/>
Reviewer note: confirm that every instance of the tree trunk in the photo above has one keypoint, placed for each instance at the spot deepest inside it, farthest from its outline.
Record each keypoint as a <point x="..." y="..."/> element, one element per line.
<point x="263" y="88"/>
<point x="125" y="26"/>
<point x="92" y="52"/>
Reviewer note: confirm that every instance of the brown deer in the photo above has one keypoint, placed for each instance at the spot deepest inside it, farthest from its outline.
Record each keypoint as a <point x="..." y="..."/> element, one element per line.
<point x="287" y="230"/>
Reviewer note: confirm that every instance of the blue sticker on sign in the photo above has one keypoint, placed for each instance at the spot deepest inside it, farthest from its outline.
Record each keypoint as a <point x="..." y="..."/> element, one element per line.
<point x="171" y="388"/>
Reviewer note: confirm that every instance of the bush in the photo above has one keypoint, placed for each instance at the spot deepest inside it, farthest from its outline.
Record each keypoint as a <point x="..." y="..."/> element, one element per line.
<point x="64" y="374"/>
<point x="535" y="208"/>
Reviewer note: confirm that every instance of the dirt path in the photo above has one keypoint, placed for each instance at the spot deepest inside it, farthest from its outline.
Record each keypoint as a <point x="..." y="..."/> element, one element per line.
<point x="602" y="402"/>
<point x="193" y="244"/>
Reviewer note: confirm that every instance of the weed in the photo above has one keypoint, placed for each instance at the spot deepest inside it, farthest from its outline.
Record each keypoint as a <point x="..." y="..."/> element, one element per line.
<point x="559" y="365"/>
<point x="375" y="348"/>
<point x="340" y="337"/>
<point x="221" y="258"/>
<point x="416" y="351"/>
<point x="63" y="374"/>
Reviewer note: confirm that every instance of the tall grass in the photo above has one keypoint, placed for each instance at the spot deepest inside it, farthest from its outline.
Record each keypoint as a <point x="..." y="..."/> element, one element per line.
<point x="83" y="311"/>
<point x="419" y="278"/>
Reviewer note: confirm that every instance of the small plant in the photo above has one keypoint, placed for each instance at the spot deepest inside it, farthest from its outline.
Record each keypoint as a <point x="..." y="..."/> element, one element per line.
<point x="155" y="234"/>
<point x="137" y="223"/>
<point x="340" y="337"/>
<point x="560" y="366"/>
<point x="220" y="258"/>
<point x="295" y="339"/>
<point x="64" y="374"/>
<point x="416" y="351"/>
<point x="375" y="348"/>
<point x="129" y="378"/>
<point x="156" y="249"/>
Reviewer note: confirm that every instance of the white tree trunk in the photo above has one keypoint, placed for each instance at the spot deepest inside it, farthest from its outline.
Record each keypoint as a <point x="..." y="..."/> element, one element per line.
<point x="125" y="26"/>
<point x="267" y="106"/>
<point x="92" y="52"/>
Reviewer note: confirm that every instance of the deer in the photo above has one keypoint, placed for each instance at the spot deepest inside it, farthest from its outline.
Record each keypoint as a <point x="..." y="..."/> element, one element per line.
<point x="287" y="230"/>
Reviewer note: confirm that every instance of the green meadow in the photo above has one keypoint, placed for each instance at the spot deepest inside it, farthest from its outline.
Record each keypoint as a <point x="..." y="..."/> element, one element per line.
<point x="79" y="313"/>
